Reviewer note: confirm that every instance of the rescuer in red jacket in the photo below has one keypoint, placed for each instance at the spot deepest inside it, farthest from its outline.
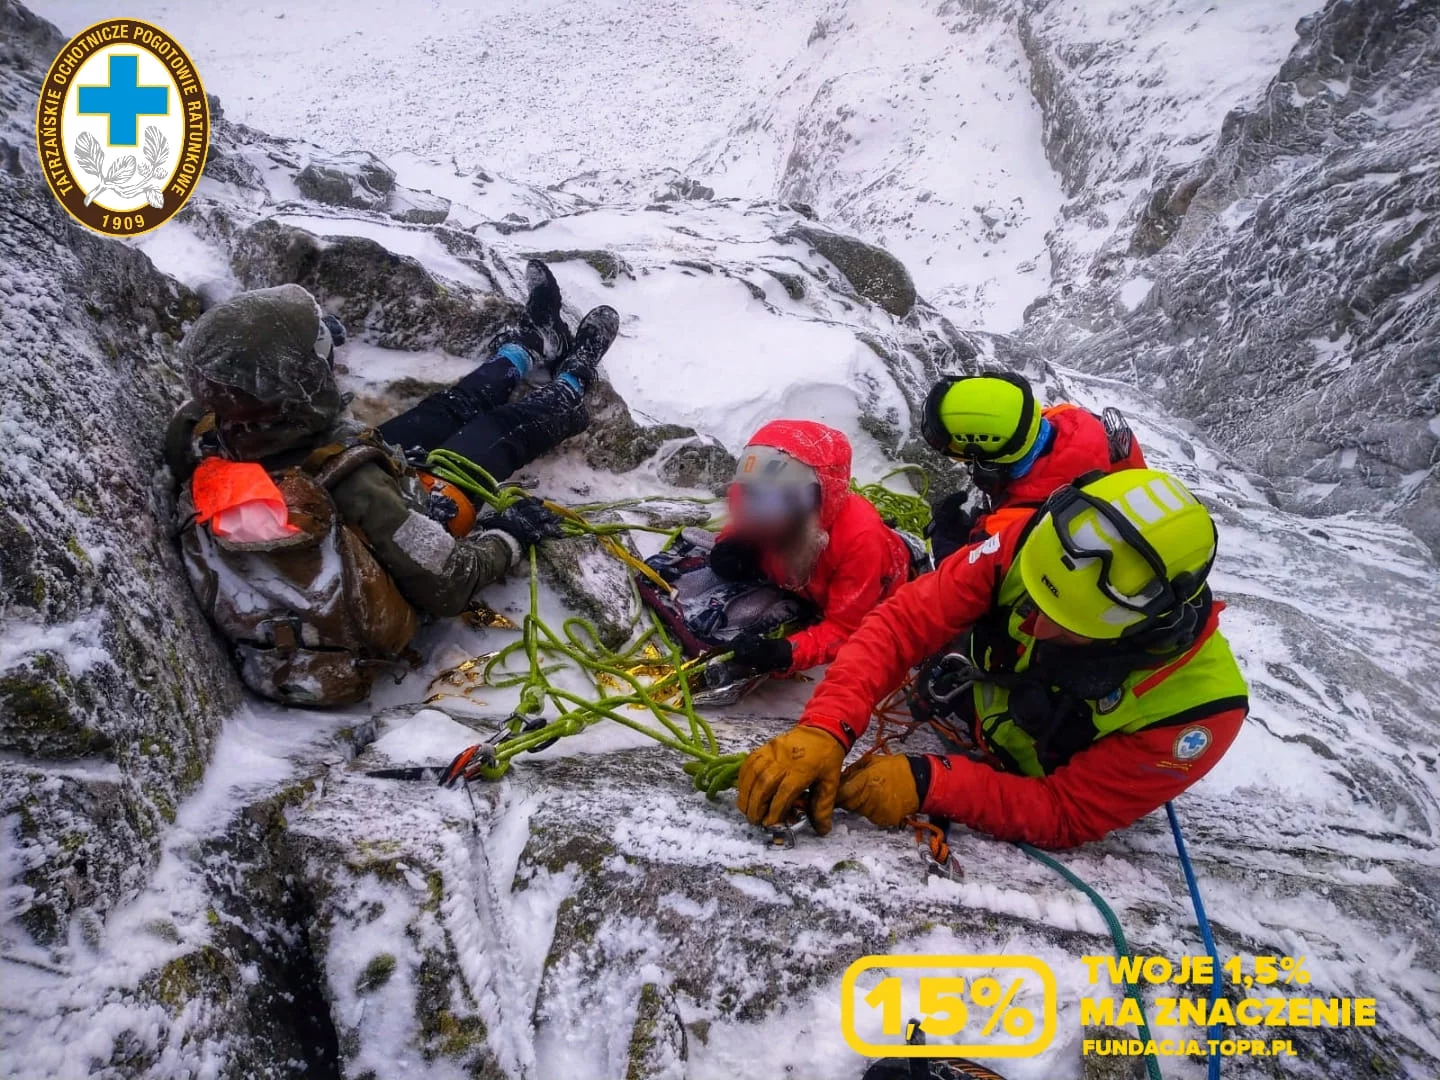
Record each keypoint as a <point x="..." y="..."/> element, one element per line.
<point x="795" y="522"/>
<point x="1017" y="452"/>
<point x="1100" y="687"/>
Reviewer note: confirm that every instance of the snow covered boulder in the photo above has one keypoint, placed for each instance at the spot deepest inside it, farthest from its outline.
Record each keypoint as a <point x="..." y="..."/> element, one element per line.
<point x="357" y="179"/>
<point x="416" y="207"/>
<point x="696" y="463"/>
<point x="593" y="584"/>
<point x="387" y="298"/>
<point x="871" y="271"/>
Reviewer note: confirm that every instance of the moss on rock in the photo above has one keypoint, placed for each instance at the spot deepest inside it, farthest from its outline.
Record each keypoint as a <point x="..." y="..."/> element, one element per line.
<point x="376" y="974"/>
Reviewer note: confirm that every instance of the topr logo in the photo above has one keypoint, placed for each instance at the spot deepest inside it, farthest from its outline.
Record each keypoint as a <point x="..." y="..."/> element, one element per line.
<point x="123" y="127"/>
<point x="1111" y="701"/>
<point x="1191" y="743"/>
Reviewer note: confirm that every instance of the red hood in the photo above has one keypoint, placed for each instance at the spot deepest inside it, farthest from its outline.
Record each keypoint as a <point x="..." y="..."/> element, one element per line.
<point x="824" y="449"/>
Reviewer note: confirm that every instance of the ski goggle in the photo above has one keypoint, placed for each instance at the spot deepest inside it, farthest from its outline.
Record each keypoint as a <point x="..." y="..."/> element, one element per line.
<point x="1098" y="536"/>
<point x="771" y="504"/>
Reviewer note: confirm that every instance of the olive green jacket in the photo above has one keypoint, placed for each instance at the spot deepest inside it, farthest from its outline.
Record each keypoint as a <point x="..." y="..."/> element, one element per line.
<point x="435" y="572"/>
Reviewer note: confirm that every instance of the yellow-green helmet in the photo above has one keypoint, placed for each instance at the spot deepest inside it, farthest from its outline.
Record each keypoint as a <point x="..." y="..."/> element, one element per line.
<point x="991" y="418"/>
<point x="1118" y="555"/>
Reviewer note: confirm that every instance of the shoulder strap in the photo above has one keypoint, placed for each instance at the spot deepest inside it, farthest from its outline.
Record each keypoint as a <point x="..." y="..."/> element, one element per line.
<point x="332" y="463"/>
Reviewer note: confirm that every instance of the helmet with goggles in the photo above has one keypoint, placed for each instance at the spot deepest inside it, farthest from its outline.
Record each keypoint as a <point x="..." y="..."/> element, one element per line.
<point x="990" y="420"/>
<point x="1119" y="555"/>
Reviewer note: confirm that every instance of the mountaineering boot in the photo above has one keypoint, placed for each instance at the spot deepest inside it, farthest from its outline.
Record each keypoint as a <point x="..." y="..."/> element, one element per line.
<point x="542" y="307"/>
<point x="593" y="336"/>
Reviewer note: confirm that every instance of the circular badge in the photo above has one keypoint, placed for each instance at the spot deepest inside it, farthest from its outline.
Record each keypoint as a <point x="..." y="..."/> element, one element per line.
<point x="1191" y="743"/>
<point x="123" y="127"/>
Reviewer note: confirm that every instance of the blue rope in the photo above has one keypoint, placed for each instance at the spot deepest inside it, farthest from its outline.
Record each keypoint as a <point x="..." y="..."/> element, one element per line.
<point x="1205" y="935"/>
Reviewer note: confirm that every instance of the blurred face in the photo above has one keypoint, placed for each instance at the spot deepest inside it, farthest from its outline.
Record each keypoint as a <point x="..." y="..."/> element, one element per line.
<point x="773" y="515"/>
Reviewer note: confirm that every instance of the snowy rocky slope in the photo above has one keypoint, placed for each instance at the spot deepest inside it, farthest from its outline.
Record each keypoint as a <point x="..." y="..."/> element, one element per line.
<point x="1239" y="209"/>
<point x="186" y="898"/>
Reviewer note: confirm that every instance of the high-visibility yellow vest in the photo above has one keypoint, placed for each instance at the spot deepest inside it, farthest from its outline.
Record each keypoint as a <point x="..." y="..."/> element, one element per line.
<point x="1202" y="681"/>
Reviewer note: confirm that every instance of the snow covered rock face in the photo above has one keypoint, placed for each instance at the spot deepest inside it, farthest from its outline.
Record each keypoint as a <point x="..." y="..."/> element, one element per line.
<point x="1280" y="288"/>
<point x="111" y="686"/>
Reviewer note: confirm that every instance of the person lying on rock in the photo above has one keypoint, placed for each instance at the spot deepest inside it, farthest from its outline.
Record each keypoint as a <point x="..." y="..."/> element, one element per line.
<point x="312" y="543"/>
<point x="796" y="523"/>
<point x="1100" y="686"/>
<point x="1016" y="452"/>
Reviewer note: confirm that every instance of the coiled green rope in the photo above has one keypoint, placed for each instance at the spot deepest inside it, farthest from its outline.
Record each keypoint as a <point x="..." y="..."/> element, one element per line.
<point x="908" y="512"/>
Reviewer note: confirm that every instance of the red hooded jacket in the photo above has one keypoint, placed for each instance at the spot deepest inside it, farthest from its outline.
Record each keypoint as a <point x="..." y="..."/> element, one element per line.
<point x="1079" y="446"/>
<point x="864" y="561"/>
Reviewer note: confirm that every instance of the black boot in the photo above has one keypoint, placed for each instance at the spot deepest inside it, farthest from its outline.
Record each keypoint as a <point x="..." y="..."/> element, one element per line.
<point x="542" y="307"/>
<point x="593" y="337"/>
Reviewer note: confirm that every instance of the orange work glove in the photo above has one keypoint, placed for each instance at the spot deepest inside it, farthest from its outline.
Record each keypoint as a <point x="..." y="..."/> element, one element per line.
<point x="773" y="776"/>
<point x="882" y="788"/>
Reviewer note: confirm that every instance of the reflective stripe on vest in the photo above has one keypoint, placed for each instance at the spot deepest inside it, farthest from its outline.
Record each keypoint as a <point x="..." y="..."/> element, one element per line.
<point x="1204" y="680"/>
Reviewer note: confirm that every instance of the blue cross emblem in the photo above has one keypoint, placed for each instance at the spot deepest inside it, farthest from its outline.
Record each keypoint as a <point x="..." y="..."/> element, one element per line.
<point x="124" y="100"/>
<point x="1192" y="743"/>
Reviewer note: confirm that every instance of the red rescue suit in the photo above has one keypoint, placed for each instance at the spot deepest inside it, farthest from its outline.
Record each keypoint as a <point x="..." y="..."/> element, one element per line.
<point x="1111" y="783"/>
<point x="1079" y="445"/>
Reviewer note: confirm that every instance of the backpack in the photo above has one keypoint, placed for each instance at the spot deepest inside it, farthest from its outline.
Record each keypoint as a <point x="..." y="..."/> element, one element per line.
<point x="705" y="612"/>
<point x="312" y="616"/>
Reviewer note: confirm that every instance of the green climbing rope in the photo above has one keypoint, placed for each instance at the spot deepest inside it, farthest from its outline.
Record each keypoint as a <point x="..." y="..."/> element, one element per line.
<point x="909" y="512"/>
<point x="649" y="675"/>
<point x="1117" y="934"/>
<point x="476" y="482"/>
<point x="673" y="721"/>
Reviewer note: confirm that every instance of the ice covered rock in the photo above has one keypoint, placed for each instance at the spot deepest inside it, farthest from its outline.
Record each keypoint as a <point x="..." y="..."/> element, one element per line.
<point x="416" y="207"/>
<point x="111" y="686"/>
<point x="593" y="584"/>
<point x="696" y="462"/>
<point x="658" y="1047"/>
<point x="871" y="271"/>
<point x="605" y="263"/>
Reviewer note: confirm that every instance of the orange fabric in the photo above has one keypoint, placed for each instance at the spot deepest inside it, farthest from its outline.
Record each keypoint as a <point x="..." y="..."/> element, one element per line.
<point x="460" y="525"/>
<point x="218" y="485"/>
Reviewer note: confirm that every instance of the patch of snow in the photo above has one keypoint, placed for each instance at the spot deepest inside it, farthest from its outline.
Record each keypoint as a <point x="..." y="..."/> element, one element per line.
<point x="1134" y="292"/>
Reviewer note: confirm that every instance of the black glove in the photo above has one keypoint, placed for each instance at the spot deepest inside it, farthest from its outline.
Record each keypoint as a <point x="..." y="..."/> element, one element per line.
<point x="735" y="560"/>
<point x="441" y="508"/>
<point x="950" y="525"/>
<point x="762" y="653"/>
<point x="529" y="521"/>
